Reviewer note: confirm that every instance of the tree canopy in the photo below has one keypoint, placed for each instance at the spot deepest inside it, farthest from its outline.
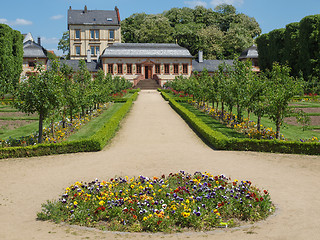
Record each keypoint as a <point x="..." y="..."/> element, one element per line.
<point x="220" y="33"/>
<point x="11" y="58"/>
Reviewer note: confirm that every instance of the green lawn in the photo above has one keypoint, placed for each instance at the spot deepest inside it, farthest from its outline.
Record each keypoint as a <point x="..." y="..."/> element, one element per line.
<point x="91" y="127"/>
<point x="290" y="132"/>
<point x="21" y="131"/>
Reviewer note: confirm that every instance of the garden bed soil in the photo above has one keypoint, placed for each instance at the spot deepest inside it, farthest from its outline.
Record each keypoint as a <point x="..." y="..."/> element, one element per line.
<point x="154" y="140"/>
<point x="10" y="125"/>
<point x="314" y="121"/>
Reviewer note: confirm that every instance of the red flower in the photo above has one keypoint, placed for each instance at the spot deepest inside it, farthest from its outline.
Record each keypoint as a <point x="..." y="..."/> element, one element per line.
<point x="134" y="216"/>
<point x="159" y="222"/>
<point x="265" y="191"/>
<point x="261" y="199"/>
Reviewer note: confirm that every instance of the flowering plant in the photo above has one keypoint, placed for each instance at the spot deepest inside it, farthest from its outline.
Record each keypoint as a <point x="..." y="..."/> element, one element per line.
<point x="200" y="201"/>
<point x="58" y="131"/>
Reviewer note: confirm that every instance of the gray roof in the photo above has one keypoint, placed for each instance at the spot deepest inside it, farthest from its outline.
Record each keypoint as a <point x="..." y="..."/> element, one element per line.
<point x="251" y="52"/>
<point x="210" y="65"/>
<point x="28" y="37"/>
<point x="92" y="66"/>
<point x="33" y="50"/>
<point x="146" y="50"/>
<point x="93" y="17"/>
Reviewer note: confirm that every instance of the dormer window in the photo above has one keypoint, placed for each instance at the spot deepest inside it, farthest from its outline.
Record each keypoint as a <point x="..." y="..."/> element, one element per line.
<point x="109" y="19"/>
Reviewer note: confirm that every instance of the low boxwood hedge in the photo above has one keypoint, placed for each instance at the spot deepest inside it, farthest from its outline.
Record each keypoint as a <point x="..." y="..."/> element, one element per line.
<point x="95" y="143"/>
<point x="219" y="141"/>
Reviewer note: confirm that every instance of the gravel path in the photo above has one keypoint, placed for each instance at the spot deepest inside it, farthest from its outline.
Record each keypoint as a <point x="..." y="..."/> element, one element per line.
<point x="154" y="140"/>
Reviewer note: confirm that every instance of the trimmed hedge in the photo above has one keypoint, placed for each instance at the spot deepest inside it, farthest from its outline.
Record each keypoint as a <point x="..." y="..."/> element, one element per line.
<point x="220" y="141"/>
<point x="95" y="143"/>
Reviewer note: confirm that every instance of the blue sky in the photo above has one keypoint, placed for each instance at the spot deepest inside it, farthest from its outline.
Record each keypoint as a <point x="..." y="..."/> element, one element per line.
<point x="47" y="18"/>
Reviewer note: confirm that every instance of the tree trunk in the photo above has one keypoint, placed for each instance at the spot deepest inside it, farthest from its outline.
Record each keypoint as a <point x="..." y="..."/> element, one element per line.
<point x="222" y="110"/>
<point x="40" y="128"/>
<point x="239" y="114"/>
<point x="278" y="124"/>
<point x="259" y="122"/>
<point x="52" y="128"/>
<point x="71" y="116"/>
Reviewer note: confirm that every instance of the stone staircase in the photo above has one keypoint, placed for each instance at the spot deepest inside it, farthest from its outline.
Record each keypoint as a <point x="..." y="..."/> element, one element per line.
<point x="147" y="84"/>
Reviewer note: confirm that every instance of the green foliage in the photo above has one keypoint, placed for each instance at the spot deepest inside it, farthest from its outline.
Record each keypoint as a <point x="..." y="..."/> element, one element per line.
<point x="298" y="45"/>
<point x="64" y="44"/>
<point x="39" y="94"/>
<point x="220" y="141"/>
<point x="94" y="143"/>
<point x="223" y="33"/>
<point x="172" y="203"/>
<point x="11" y="57"/>
<point x="281" y="88"/>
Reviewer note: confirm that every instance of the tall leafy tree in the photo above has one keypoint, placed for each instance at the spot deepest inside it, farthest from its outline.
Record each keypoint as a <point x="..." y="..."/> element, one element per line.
<point x="281" y="88"/>
<point x="11" y="57"/>
<point x="64" y="44"/>
<point x="39" y="94"/>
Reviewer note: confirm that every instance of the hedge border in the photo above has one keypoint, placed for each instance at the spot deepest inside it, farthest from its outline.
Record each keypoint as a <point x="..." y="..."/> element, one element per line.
<point x="95" y="143"/>
<point x="221" y="142"/>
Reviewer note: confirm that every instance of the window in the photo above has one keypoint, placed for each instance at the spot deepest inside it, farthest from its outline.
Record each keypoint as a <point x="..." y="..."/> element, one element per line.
<point x="175" y="68"/>
<point x="78" y="50"/>
<point x="77" y="34"/>
<point x="94" y="50"/>
<point x="185" y="68"/>
<point x="110" y="68"/>
<point x="120" y="69"/>
<point x="94" y="34"/>
<point x="157" y="68"/>
<point x="31" y="64"/>
<point x="111" y="34"/>
<point x="166" y="68"/>
<point x="129" y="68"/>
<point x="138" y="68"/>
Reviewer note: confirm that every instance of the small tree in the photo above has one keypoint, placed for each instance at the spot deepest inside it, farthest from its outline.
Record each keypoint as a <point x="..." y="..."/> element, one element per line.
<point x="64" y="44"/>
<point x="39" y="94"/>
<point x="281" y="88"/>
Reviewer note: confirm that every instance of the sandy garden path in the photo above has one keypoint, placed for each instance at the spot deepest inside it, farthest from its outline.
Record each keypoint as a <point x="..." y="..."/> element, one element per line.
<point x="154" y="140"/>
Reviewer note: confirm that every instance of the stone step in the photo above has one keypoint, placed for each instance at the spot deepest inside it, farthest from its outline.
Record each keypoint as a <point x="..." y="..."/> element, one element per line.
<point x="147" y="84"/>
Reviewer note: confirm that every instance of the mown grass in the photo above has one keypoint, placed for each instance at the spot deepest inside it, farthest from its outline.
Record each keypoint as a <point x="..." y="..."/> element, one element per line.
<point x="212" y="123"/>
<point x="90" y="128"/>
<point x="291" y="132"/>
<point x="21" y="131"/>
<point x="18" y="118"/>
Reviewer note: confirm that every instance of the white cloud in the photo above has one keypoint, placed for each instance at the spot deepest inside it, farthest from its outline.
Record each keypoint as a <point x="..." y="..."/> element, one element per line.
<point x="3" y="20"/>
<point x="231" y="2"/>
<point x="18" y="21"/>
<point x="56" y="17"/>
<point x="195" y="3"/>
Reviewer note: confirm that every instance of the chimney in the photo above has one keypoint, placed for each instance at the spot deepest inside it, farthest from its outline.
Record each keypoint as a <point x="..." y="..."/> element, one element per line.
<point x="70" y="8"/>
<point x="85" y="9"/>
<point x="200" y="57"/>
<point x="89" y="56"/>
<point x="98" y="56"/>
<point x="118" y="14"/>
<point x="39" y="41"/>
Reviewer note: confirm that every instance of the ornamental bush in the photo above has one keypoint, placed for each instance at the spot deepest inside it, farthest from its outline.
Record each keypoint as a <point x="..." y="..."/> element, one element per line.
<point x="201" y="201"/>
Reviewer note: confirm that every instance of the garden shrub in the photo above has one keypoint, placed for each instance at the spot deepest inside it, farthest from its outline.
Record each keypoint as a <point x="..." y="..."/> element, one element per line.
<point x="220" y="141"/>
<point x="94" y="143"/>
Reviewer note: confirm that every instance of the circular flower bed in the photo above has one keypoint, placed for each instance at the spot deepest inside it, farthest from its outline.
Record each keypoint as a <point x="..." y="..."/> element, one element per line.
<point x="200" y="201"/>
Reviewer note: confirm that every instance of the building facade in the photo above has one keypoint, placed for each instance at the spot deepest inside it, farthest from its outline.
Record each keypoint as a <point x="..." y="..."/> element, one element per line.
<point x="92" y="31"/>
<point x="139" y="61"/>
<point x="33" y="54"/>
